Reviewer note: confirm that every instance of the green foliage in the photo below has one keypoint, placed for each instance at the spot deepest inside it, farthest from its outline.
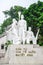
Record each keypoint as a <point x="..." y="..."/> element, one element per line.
<point x="13" y="12"/>
<point x="7" y="22"/>
<point x="34" y="16"/>
<point x="41" y="41"/>
<point x="1" y="30"/>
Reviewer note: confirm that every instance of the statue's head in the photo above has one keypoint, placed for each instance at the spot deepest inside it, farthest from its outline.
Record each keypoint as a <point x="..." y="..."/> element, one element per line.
<point x="14" y="21"/>
<point x="29" y="28"/>
<point x="22" y="17"/>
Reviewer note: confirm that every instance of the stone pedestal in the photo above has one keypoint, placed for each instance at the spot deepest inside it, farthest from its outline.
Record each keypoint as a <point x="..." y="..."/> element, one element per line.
<point x="25" y="55"/>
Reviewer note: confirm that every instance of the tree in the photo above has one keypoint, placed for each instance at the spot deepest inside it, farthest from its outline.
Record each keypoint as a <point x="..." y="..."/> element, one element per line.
<point x="13" y="12"/>
<point x="34" y="16"/>
<point x="6" y="22"/>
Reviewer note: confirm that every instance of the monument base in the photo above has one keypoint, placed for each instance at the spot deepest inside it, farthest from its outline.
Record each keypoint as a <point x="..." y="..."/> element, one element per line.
<point x="25" y="55"/>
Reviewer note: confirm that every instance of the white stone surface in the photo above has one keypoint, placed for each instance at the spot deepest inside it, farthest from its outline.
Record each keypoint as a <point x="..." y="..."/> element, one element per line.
<point x="11" y="59"/>
<point x="15" y="32"/>
<point x="30" y="36"/>
<point x="18" y="33"/>
<point x="9" y="35"/>
<point x="22" y="25"/>
<point x="34" y="57"/>
<point x="2" y="40"/>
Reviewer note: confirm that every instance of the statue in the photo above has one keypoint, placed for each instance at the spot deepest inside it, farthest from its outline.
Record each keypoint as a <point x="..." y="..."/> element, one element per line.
<point x="14" y="27"/>
<point x="30" y="35"/>
<point x="15" y="32"/>
<point x="20" y="33"/>
<point x="22" y="29"/>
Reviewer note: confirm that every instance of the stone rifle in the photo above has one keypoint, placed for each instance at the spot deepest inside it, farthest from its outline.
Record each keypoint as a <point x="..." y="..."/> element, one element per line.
<point x="37" y="34"/>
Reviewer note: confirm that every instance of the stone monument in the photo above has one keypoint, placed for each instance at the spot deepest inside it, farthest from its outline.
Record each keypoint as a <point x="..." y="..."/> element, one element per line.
<point x="36" y="38"/>
<point x="19" y="13"/>
<point x="15" y="32"/>
<point x="22" y="25"/>
<point x="30" y="36"/>
<point x="20" y="34"/>
<point x="23" y="54"/>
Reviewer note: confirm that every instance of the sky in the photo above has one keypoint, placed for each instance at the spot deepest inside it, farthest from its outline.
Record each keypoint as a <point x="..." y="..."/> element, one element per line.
<point x="6" y="4"/>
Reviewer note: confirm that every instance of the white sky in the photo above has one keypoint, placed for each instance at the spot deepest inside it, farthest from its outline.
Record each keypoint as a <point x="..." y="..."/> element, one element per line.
<point x="6" y="4"/>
